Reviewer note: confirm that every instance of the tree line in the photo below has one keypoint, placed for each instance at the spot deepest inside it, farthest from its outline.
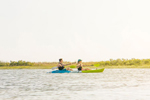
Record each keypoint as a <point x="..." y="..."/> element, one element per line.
<point x="125" y="62"/>
<point x="111" y="62"/>
<point x="16" y="63"/>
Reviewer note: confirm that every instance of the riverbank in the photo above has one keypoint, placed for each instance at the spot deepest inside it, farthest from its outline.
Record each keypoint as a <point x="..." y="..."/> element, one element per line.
<point x="48" y="67"/>
<point x="118" y="63"/>
<point x="25" y="67"/>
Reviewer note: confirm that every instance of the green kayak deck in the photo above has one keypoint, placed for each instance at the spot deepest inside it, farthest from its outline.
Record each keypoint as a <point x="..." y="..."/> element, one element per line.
<point x="93" y="71"/>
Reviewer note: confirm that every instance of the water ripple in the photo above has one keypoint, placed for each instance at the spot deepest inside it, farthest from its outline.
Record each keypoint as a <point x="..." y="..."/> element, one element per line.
<point x="112" y="84"/>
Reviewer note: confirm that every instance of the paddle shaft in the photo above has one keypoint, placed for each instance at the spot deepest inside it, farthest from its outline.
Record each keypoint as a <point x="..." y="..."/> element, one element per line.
<point x="64" y="65"/>
<point x="69" y="64"/>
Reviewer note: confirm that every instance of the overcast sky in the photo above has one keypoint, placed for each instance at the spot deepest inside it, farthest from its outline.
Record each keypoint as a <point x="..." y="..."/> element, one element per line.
<point x="92" y="30"/>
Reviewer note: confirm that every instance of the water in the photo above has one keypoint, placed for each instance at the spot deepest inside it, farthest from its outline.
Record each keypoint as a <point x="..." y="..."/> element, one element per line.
<point x="112" y="84"/>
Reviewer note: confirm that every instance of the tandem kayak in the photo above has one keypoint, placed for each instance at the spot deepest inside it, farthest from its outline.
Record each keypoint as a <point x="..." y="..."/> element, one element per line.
<point x="85" y="71"/>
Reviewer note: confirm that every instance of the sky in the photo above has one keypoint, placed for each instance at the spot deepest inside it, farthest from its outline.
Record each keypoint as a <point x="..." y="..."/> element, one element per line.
<point x="91" y="30"/>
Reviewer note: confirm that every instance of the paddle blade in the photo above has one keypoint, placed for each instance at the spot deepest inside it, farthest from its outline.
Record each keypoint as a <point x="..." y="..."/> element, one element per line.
<point x="96" y="65"/>
<point x="54" y="68"/>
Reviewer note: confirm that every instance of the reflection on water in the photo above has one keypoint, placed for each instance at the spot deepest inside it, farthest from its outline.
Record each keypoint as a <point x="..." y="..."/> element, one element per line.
<point x="112" y="84"/>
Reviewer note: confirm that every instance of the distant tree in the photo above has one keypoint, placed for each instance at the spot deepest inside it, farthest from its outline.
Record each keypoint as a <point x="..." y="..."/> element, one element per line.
<point x="107" y="63"/>
<point x="20" y="63"/>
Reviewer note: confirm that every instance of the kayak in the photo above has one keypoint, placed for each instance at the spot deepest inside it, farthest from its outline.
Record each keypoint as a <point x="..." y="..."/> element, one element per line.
<point x="85" y="71"/>
<point x="93" y="71"/>
<point x="61" y="71"/>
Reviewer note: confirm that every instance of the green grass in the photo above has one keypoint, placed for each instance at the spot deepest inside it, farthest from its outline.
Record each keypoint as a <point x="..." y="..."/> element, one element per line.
<point x="71" y="66"/>
<point x="25" y="67"/>
<point x="132" y="66"/>
<point x="118" y="63"/>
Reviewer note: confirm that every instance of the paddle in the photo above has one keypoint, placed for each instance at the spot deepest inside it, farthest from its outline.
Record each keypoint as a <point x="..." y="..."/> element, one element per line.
<point x="64" y="65"/>
<point x="54" y="68"/>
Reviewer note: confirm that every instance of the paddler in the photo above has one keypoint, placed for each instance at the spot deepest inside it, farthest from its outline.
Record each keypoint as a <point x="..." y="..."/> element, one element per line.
<point x="80" y="66"/>
<point x="61" y="65"/>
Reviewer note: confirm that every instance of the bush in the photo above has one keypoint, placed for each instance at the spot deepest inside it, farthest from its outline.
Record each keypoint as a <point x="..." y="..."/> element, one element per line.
<point x="20" y="63"/>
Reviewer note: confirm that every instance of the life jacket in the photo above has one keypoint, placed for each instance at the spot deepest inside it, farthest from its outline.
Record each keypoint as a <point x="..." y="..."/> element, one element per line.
<point x="61" y="67"/>
<point x="80" y="68"/>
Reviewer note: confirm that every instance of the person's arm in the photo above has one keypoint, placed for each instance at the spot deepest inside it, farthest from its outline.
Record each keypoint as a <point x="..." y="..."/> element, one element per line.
<point x="59" y="65"/>
<point x="86" y="65"/>
<point x="67" y="64"/>
<point x="79" y="65"/>
<point x="70" y="64"/>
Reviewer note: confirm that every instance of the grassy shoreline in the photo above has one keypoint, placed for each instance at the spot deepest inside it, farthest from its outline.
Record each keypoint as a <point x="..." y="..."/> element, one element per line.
<point x="25" y="67"/>
<point x="48" y="67"/>
<point x="118" y="63"/>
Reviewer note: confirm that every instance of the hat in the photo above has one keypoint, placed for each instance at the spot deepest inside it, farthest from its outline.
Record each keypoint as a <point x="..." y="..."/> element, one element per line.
<point x="79" y="60"/>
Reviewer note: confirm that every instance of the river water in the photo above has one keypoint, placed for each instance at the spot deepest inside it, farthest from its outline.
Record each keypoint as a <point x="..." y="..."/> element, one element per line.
<point x="112" y="84"/>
